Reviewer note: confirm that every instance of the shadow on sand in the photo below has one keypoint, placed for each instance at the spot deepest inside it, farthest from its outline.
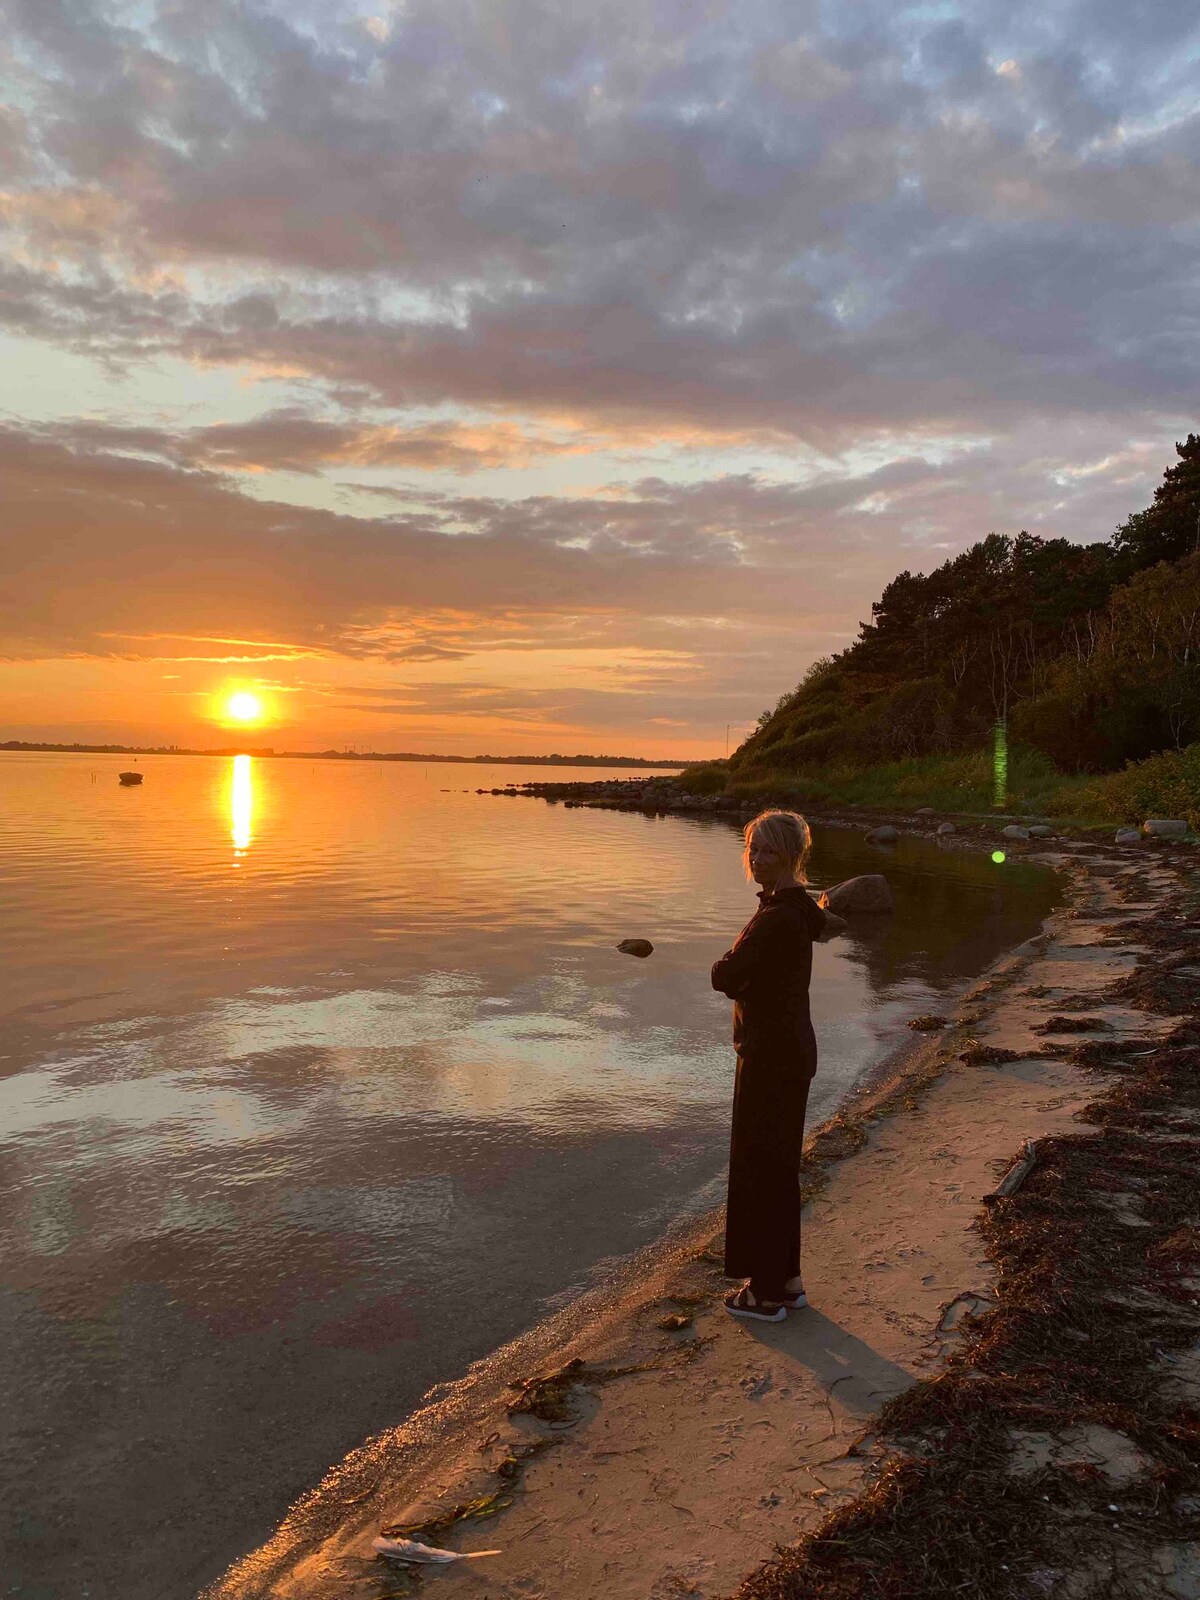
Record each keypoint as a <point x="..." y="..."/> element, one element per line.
<point x="854" y="1374"/>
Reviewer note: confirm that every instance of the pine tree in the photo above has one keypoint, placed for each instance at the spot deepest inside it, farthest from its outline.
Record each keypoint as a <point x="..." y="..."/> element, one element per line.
<point x="1170" y="528"/>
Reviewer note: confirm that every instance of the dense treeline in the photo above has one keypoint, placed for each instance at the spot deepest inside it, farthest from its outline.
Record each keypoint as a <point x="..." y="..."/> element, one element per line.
<point x="1090" y="652"/>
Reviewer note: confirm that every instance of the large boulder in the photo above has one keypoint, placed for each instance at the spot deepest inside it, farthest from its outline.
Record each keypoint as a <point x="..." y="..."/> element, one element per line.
<point x="1041" y="830"/>
<point x="868" y="894"/>
<point x="1015" y="831"/>
<point x="1164" y="828"/>
<point x="1128" y="836"/>
<point x="945" y="829"/>
<point x="885" y="834"/>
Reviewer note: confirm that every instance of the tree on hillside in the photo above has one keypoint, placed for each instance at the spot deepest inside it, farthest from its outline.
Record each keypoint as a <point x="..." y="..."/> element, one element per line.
<point x="990" y="619"/>
<point x="1170" y="528"/>
<point x="1137" y="689"/>
<point x="819" y="669"/>
<point x="1090" y="649"/>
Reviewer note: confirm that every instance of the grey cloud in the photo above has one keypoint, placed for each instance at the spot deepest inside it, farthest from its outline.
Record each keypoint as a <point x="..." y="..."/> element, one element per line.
<point x="822" y="224"/>
<point x="100" y="540"/>
<point x="424" y="652"/>
<point x="694" y="707"/>
<point x="97" y="538"/>
<point x="291" y="440"/>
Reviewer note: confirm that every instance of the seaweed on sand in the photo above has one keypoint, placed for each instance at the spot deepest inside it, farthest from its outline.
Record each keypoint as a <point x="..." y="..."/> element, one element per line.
<point x="838" y="1138"/>
<point x="406" y="1581"/>
<point x="1071" y="1025"/>
<point x="548" y="1397"/>
<point x="436" y="1527"/>
<point x="843" y="1135"/>
<point x="552" y="1397"/>
<point x="977" y="1054"/>
<point x="1096" y="1299"/>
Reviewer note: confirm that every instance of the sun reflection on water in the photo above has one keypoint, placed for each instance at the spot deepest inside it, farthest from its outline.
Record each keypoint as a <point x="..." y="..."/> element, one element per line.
<point x="241" y="804"/>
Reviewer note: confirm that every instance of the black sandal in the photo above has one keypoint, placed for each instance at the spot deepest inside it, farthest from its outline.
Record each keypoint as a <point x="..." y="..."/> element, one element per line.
<point x="745" y="1303"/>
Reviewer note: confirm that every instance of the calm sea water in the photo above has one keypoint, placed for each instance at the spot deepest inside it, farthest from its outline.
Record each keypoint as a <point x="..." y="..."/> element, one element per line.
<point x="318" y="1081"/>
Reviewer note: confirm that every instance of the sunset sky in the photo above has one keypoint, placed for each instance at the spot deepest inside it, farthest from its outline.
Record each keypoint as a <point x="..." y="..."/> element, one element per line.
<point x="531" y="375"/>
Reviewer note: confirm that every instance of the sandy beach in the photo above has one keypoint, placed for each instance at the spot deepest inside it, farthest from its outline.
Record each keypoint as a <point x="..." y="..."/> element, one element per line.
<point x="644" y="1444"/>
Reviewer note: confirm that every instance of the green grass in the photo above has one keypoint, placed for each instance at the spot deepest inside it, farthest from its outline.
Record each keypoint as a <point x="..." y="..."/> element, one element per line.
<point x="1166" y="785"/>
<point x="706" y="777"/>
<point x="959" y="783"/>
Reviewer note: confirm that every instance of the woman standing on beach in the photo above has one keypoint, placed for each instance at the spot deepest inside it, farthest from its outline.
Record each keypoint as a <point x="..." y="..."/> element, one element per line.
<point x="766" y="975"/>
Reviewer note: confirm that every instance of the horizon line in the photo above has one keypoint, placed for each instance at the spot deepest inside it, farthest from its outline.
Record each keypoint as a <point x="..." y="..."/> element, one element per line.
<point x="555" y="758"/>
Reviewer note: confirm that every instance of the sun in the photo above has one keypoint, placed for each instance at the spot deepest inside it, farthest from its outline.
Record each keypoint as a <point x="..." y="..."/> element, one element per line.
<point x="241" y="706"/>
<point x="244" y="707"/>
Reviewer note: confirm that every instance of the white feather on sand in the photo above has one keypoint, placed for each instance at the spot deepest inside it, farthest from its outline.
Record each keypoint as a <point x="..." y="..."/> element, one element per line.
<point x="426" y="1554"/>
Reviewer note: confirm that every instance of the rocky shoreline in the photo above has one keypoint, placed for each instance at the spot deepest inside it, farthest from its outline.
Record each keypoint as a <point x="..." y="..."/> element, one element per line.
<point x="663" y="797"/>
<point x="657" y="795"/>
<point x="993" y="1400"/>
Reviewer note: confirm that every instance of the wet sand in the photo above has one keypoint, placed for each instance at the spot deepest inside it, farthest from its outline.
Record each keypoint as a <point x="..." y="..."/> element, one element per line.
<point x="673" y="1461"/>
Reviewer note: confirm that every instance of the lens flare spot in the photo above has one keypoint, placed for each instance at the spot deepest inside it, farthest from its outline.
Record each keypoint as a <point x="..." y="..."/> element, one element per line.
<point x="998" y="856"/>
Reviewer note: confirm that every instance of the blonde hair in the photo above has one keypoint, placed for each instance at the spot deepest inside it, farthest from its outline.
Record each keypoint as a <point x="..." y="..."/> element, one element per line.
<point x="786" y="832"/>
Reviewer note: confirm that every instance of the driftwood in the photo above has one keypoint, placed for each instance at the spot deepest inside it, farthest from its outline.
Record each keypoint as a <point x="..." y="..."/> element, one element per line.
<point x="1016" y="1174"/>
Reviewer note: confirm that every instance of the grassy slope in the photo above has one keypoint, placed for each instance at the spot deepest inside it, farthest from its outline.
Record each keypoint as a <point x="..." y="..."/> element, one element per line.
<point x="1166" y="785"/>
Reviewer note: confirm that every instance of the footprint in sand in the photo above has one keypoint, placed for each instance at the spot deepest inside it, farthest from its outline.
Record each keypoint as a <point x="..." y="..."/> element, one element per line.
<point x="728" y="1430"/>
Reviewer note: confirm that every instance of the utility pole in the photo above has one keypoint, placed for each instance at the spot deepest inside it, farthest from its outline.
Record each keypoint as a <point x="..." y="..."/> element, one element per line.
<point x="727" y="725"/>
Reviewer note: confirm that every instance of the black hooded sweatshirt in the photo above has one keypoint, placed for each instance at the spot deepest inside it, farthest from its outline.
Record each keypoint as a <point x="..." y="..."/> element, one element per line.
<point x="766" y="974"/>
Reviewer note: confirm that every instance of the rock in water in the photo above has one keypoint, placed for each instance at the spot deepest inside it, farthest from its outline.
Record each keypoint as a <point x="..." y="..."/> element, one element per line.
<point x="833" y="925"/>
<point x="1128" y="836"/>
<point x="1041" y="830"/>
<point x="884" y="835"/>
<point x="869" y="893"/>
<point x="1016" y="831"/>
<point x="945" y="829"/>
<point x="1164" y="828"/>
<point x="636" y="947"/>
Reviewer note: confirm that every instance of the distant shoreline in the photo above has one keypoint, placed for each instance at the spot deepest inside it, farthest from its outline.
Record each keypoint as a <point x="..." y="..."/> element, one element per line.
<point x="339" y="755"/>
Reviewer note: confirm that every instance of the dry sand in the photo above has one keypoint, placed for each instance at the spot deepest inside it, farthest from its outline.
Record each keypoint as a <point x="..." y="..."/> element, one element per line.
<point x="727" y="1438"/>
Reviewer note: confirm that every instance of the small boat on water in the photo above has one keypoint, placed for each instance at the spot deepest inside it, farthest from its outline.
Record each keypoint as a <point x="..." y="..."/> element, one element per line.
<point x="128" y="778"/>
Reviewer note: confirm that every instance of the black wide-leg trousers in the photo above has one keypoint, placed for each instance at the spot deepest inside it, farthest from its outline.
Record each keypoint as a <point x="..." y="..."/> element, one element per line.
<point x="762" y="1219"/>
